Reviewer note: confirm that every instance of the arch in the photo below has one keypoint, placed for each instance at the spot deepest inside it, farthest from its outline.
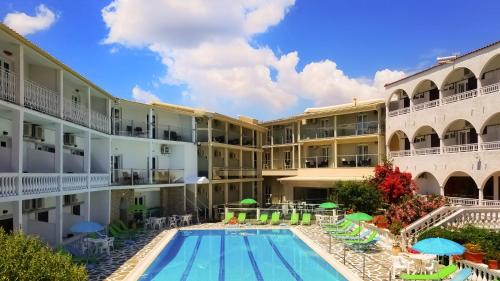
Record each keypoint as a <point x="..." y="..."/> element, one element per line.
<point x="427" y="184"/>
<point x="460" y="184"/>
<point x="491" y="65"/>
<point x="423" y="130"/>
<point x="464" y="74"/>
<point x="493" y="120"/>
<point x="394" y="143"/>
<point x="458" y="124"/>
<point x="489" y="185"/>
<point x="423" y="86"/>
<point x="397" y="95"/>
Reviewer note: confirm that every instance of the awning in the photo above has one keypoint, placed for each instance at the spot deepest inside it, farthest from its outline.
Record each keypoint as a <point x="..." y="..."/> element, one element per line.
<point x="320" y="179"/>
<point x="197" y="180"/>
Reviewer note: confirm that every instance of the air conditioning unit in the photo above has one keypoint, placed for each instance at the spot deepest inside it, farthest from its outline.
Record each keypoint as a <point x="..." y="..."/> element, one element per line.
<point x="28" y="130"/>
<point x="164" y="149"/>
<point x="69" y="139"/>
<point x="37" y="132"/>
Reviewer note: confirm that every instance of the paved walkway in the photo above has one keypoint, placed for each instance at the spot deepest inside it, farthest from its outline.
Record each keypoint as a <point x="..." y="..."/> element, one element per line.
<point x="122" y="261"/>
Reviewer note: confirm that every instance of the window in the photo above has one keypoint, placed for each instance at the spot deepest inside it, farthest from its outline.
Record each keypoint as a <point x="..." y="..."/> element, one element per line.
<point x="139" y="200"/>
<point x="362" y="149"/>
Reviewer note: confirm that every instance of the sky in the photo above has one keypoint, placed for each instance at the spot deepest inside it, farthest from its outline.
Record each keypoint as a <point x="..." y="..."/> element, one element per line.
<point x="261" y="58"/>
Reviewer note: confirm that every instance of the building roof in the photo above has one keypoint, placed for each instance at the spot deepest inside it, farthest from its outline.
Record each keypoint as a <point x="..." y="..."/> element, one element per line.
<point x="439" y="65"/>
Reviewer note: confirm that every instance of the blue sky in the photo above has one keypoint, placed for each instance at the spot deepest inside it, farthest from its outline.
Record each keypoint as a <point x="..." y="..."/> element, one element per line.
<point x="342" y="44"/>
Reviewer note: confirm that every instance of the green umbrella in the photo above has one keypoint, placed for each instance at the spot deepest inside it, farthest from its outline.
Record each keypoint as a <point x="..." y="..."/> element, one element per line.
<point x="328" y="205"/>
<point x="248" y="201"/>
<point x="359" y="217"/>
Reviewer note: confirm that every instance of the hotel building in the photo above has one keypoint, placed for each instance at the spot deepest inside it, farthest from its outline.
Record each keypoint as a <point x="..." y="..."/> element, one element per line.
<point x="304" y="155"/>
<point x="443" y="125"/>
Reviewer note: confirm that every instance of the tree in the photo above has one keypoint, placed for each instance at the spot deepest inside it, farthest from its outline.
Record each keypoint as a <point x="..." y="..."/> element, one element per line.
<point x="27" y="258"/>
<point x="392" y="183"/>
<point x="359" y="196"/>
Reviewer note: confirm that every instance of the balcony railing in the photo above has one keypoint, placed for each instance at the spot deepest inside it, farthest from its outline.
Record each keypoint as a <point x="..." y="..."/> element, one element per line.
<point x="40" y="98"/>
<point x="167" y="176"/>
<point x="248" y="172"/>
<point x="490" y="89"/>
<point x="427" y="151"/>
<point x="39" y="183"/>
<point x="282" y="139"/>
<point x="130" y="177"/>
<point x="75" y="113"/>
<point x="130" y="128"/>
<point x="219" y="135"/>
<point x="233" y="138"/>
<point x="173" y="133"/>
<point x="317" y="162"/>
<point x="492" y="145"/>
<point x="282" y="164"/>
<point x="460" y="148"/>
<point x="99" y="122"/>
<point x="8" y="85"/>
<point x="266" y="165"/>
<point x="356" y="129"/>
<point x="99" y="180"/>
<point x="359" y="160"/>
<point x="9" y="185"/>
<point x="460" y="96"/>
<point x="317" y="133"/>
<point x="400" y="153"/>
<point x="72" y="182"/>
<point x="399" y="111"/>
<point x="219" y="173"/>
<point x="247" y="141"/>
<point x="425" y="105"/>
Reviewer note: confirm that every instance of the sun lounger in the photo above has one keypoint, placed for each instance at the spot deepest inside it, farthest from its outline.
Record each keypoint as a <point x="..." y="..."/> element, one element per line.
<point x="441" y="274"/>
<point x="345" y="229"/>
<point x="336" y="224"/>
<point x="275" y="218"/>
<point x="462" y="275"/>
<point x="361" y="236"/>
<point x="263" y="219"/>
<point x="341" y="227"/>
<point x="228" y="217"/>
<point x="242" y="217"/>
<point x="363" y="241"/>
<point x="294" y="220"/>
<point x="306" y="219"/>
<point x="355" y="232"/>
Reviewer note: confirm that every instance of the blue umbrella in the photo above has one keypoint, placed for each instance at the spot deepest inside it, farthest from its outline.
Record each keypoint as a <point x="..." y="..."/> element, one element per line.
<point x="439" y="247"/>
<point x="86" y="227"/>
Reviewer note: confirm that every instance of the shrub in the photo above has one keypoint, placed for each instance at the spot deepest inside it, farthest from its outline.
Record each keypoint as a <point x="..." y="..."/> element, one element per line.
<point x="395" y="227"/>
<point x="27" y="258"/>
<point x="392" y="183"/>
<point x="357" y="195"/>
<point x="411" y="208"/>
<point x="473" y="247"/>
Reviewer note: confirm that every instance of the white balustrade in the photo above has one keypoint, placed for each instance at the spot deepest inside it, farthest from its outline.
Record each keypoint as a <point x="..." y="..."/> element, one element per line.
<point x="492" y="145"/>
<point x="39" y="183"/>
<point x="462" y="201"/>
<point x="75" y="112"/>
<point x="399" y="153"/>
<point x="399" y="111"/>
<point x="40" y="98"/>
<point x="8" y="85"/>
<point x="9" y="184"/>
<point x="425" y="105"/>
<point x="99" y="180"/>
<point x="460" y="96"/>
<point x="99" y="122"/>
<point x="72" y="182"/>
<point x="480" y="272"/>
<point x="479" y="216"/>
<point x="427" y="151"/>
<point x="460" y="148"/>
<point x="490" y="89"/>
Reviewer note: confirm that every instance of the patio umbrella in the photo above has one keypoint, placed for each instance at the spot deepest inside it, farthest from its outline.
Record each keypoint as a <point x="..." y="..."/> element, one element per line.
<point x="439" y="247"/>
<point x="248" y="201"/>
<point x="328" y="205"/>
<point x="86" y="227"/>
<point x="359" y="217"/>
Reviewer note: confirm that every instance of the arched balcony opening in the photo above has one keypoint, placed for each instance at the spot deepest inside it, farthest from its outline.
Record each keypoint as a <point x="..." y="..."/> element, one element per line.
<point x="490" y="76"/>
<point x="426" y="141"/>
<point x="490" y="133"/>
<point x="459" y="85"/>
<point x="491" y="189"/>
<point x="399" y="145"/>
<point x="399" y="103"/>
<point x="426" y="95"/>
<point x="460" y="136"/>
<point x="427" y="184"/>
<point x="460" y="184"/>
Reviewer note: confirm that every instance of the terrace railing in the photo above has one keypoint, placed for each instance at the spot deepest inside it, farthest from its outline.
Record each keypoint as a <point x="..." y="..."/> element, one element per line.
<point x="39" y="183"/>
<point x="8" y="85"/>
<point x="356" y="129"/>
<point x="282" y="164"/>
<point x="99" y="180"/>
<point x="99" y="122"/>
<point x="317" y="162"/>
<point x="75" y="113"/>
<point x="427" y="151"/>
<point x="462" y="201"/>
<point x="490" y="89"/>
<point x="492" y="145"/>
<point x="460" y="96"/>
<point x="40" y="98"/>
<point x="399" y="111"/>
<point x="282" y="139"/>
<point x="479" y="271"/>
<point x="317" y="133"/>
<point x="173" y="133"/>
<point x="130" y="128"/>
<point x="479" y="216"/>
<point x="357" y="160"/>
<point x="9" y="185"/>
<point x="460" y="148"/>
<point x="425" y="105"/>
<point x="400" y="153"/>
<point x="167" y="176"/>
<point x="130" y="177"/>
<point x="72" y="182"/>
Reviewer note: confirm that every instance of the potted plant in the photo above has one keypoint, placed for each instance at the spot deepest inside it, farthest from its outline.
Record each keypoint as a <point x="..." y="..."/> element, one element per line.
<point x="473" y="253"/>
<point x="380" y="221"/>
<point x="396" y="247"/>
<point x="492" y="258"/>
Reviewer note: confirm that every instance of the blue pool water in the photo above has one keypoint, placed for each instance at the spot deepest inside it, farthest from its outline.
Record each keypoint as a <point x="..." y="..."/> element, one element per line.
<point x="210" y="255"/>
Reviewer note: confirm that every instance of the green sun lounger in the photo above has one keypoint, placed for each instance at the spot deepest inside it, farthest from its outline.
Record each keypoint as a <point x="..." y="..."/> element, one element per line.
<point x="242" y="217"/>
<point x="355" y="232"/>
<point x="306" y="219"/>
<point x="228" y="217"/>
<point x="335" y="224"/>
<point x="346" y="228"/>
<point x="369" y="239"/>
<point x="275" y="218"/>
<point x="263" y="219"/>
<point x="441" y="274"/>
<point x="294" y="220"/>
<point x="339" y="227"/>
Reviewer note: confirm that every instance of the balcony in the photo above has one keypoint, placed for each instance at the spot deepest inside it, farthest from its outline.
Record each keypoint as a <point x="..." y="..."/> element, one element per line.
<point x="130" y="177"/>
<point x="460" y="148"/>
<point x="39" y="183"/>
<point x="76" y="113"/>
<point x="8" y="85"/>
<point x="492" y="145"/>
<point x="399" y="111"/>
<point x="40" y="98"/>
<point x="282" y="164"/>
<point x="460" y="96"/>
<point x="247" y="141"/>
<point x="400" y="153"/>
<point x="357" y="160"/>
<point x="219" y="173"/>
<point x="9" y="185"/>
<point x="317" y="162"/>
<point x="99" y="122"/>
<point x="73" y="182"/>
<point x="427" y="151"/>
<point x="490" y="89"/>
<point x="425" y="105"/>
<point x="167" y="176"/>
<point x="317" y="133"/>
<point x="99" y="180"/>
<point x="282" y="139"/>
<point x="356" y="129"/>
<point x="130" y="128"/>
<point x="172" y="133"/>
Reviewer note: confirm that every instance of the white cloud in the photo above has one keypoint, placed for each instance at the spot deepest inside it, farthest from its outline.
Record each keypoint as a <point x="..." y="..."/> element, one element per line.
<point x="205" y="45"/>
<point x="25" y="24"/>
<point x="144" y="96"/>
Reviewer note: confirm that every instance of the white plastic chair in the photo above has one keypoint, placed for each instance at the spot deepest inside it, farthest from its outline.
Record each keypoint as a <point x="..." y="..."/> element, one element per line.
<point x="172" y="222"/>
<point x="399" y="264"/>
<point x="432" y="267"/>
<point x="158" y="223"/>
<point x="148" y="223"/>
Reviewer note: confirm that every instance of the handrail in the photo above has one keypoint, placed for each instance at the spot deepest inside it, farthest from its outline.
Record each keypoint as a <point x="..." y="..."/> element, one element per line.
<point x="8" y="85"/>
<point x="488" y="89"/>
<point x="491" y="145"/>
<point x="399" y="111"/>
<point x="99" y="121"/>
<point x="40" y="98"/>
<point x="76" y="113"/>
<point x="400" y="153"/>
<point x="427" y="151"/>
<point x="460" y="96"/>
<point x="427" y="104"/>
<point x="460" y="148"/>
<point x="9" y="184"/>
<point x="479" y="272"/>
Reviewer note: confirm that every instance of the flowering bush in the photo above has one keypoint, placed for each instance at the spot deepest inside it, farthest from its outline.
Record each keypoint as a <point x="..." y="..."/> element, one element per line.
<point x="392" y="183"/>
<point x="412" y="208"/>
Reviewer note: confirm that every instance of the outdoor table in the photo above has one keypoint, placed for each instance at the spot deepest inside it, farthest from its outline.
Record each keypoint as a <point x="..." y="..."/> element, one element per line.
<point x="420" y="260"/>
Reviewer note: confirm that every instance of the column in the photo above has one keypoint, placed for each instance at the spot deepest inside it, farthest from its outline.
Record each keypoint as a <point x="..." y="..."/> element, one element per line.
<point x="210" y="151"/>
<point x="20" y="75"/>
<point x="335" y="125"/>
<point x="150" y="161"/>
<point x="241" y="191"/>
<point x="193" y="126"/>
<point x="210" y="201"/>
<point x="253" y="190"/>
<point x="259" y="192"/>
<point x="150" y="123"/>
<point x="479" y="85"/>
<point x="18" y="215"/>
<point x="335" y="156"/>
<point x="496" y="189"/>
<point x="89" y="109"/>
<point x="86" y="213"/>
<point x="293" y="156"/>
<point x="379" y="120"/>
<point x="272" y="158"/>
<point x="441" y="190"/>
<point x="481" y="196"/>
<point x="108" y="113"/>
<point x="17" y="142"/>
<point x="60" y="75"/>
<point x="441" y="145"/>
<point x="185" y="198"/>
<point x="59" y="220"/>
<point x="479" y="141"/>
<point x="87" y="147"/>
<point x="58" y="163"/>
<point x="226" y="132"/>
<point x="226" y="193"/>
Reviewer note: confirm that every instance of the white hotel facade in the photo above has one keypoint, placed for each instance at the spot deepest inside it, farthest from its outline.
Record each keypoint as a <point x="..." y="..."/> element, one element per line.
<point x="443" y="125"/>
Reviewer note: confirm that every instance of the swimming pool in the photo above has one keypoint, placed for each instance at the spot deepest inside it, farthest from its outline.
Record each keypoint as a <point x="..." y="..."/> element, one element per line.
<point x="209" y="255"/>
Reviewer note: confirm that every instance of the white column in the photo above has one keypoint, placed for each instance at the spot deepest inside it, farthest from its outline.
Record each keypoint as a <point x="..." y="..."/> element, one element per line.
<point x="210" y="154"/>
<point x="150" y="124"/>
<point x="86" y="215"/>
<point x="193" y="131"/>
<point x="496" y="189"/>
<point x="20" y="75"/>
<point x="59" y="220"/>
<point x="226" y="193"/>
<point x="379" y="120"/>
<point x="60" y="75"/>
<point x="272" y="158"/>
<point x="87" y="156"/>
<point x="481" y="196"/>
<point x="441" y="190"/>
<point x="185" y="198"/>
<point x="335" y="152"/>
<point x="18" y="215"/>
<point x="479" y="141"/>
<point x="210" y="201"/>
<point x="17" y="142"/>
<point x="335" y="125"/>
<point x="293" y="156"/>
<point x="108" y="112"/>
<point x="150" y="161"/>
<point x="89" y="109"/>
<point x="59" y="152"/>
<point x="441" y="145"/>
<point x="479" y="84"/>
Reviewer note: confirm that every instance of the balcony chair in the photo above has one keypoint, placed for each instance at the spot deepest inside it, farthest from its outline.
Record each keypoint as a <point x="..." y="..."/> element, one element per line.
<point x="174" y="136"/>
<point x="310" y="164"/>
<point x="126" y="178"/>
<point x="166" y="135"/>
<point x="323" y="164"/>
<point x="129" y="130"/>
<point x="138" y="131"/>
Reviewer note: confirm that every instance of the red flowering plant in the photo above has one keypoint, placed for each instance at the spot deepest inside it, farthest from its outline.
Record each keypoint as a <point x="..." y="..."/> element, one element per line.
<point x="392" y="183"/>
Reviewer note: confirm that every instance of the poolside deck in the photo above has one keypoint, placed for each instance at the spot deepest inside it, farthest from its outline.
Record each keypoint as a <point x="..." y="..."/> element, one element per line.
<point x="124" y="260"/>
